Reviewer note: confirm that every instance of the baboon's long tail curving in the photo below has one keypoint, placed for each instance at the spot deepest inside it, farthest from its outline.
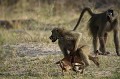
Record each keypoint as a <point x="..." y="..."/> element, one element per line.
<point x="83" y="11"/>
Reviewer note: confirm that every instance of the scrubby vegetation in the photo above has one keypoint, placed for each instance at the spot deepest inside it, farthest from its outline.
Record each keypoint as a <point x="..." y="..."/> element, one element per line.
<point x="25" y="49"/>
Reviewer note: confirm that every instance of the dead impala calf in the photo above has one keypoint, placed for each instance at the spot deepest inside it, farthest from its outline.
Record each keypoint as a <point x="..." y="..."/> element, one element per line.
<point x="66" y="65"/>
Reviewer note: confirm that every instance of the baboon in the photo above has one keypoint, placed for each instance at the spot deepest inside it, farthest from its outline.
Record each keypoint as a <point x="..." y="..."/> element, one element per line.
<point x="68" y="41"/>
<point x="99" y="25"/>
<point x="83" y="52"/>
<point x="78" y="64"/>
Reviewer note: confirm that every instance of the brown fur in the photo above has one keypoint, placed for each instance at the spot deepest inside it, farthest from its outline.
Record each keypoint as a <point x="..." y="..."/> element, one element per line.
<point x="68" y="41"/>
<point x="66" y="64"/>
<point x="99" y="25"/>
<point x="79" y="62"/>
<point x="85" y="56"/>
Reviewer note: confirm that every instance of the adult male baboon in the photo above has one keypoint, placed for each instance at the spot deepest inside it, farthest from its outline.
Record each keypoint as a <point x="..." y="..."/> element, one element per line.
<point x="67" y="40"/>
<point x="99" y="25"/>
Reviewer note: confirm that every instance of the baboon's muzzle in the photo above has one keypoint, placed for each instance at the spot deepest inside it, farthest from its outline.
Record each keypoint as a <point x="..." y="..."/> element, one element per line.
<point x="52" y="38"/>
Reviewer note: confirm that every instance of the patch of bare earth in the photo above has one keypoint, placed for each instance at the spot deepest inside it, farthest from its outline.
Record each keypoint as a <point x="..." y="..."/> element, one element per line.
<point x="34" y="49"/>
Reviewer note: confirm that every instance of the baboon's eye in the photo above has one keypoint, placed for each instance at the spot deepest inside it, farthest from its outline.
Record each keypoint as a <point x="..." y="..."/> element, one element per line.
<point x="56" y="30"/>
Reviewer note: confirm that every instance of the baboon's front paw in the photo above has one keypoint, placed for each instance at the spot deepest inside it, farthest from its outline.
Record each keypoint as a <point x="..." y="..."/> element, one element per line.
<point x="104" y="53"/>
<point x="97" y="52"/>
<point x="107" y="52"/>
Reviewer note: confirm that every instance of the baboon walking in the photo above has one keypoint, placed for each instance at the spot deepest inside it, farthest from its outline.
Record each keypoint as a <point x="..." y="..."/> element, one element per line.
<point x="99" y="26"/>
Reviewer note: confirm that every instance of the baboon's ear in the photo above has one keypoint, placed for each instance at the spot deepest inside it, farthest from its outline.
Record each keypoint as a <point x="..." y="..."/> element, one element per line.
<point x="59" y="30"/>
<point x="55" y="29"/>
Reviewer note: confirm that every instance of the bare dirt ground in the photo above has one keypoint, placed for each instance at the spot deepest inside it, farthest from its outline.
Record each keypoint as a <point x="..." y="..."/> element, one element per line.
<point x="39" y="49"/>
<point x="34" y="49"/>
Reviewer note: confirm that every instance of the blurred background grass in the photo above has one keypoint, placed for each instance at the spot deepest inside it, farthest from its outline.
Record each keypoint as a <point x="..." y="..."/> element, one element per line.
<point x="31" y="18"/>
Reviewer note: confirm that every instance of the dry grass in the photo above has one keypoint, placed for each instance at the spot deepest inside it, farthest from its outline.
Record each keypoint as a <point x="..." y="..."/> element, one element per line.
<point x="42" y="67"/>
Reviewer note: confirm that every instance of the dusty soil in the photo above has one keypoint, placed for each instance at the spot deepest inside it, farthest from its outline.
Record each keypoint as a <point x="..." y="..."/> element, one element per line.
<point x="34" y="49"/>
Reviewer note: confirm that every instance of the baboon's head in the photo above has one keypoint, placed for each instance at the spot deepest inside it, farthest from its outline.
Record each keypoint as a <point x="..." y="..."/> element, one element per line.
<point x="110" y="15"/>
<point x="56" y="34"/>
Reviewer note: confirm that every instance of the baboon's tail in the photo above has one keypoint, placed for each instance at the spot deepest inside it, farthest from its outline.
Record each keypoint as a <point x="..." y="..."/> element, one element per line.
<point x="82" y="13"/>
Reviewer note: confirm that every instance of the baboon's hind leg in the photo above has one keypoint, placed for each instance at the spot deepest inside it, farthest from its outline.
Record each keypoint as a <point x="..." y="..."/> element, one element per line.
<point x="105" y="39"/>
<point x="94" y="33"/>
<point x="84" y="57"/>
